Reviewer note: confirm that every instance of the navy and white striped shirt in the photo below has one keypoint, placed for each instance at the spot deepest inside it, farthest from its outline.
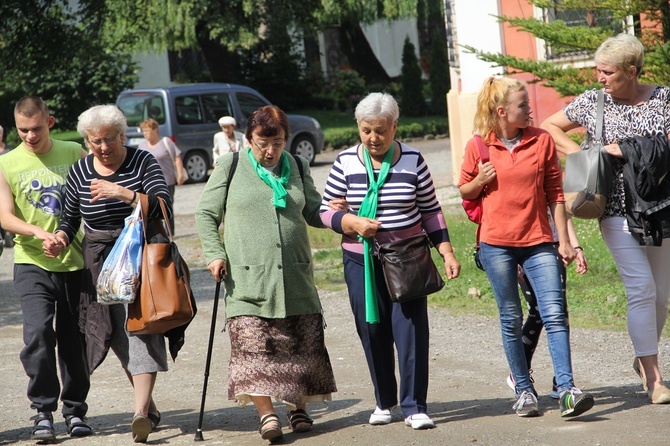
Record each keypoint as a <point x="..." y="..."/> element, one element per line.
<point x="139" y="172"/>
<point x="407" y="201"/>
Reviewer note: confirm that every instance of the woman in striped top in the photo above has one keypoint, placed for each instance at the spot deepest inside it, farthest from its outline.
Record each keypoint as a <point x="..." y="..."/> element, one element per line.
<point x="403" y="192"/>
<point x="102" y="190"/>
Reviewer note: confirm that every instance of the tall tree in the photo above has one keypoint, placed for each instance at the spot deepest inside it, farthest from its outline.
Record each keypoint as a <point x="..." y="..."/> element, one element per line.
<point x="606" y="18"/>
<point x="412" y="102"/>
<point x="438" y="75"/>
<point x="51" y="50"/>
<point x="243" y="25"/>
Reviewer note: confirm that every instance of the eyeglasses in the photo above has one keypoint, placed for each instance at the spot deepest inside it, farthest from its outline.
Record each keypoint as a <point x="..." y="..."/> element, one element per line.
<point x="265" y="145"/>
<point x="98" y="142"/>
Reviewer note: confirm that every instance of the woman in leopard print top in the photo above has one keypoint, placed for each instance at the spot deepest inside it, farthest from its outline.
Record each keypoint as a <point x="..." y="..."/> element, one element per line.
<point x="631" y="109"/>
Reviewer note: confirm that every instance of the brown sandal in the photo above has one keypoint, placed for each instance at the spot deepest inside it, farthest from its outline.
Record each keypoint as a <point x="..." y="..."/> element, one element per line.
<point x="300" y="421"/>
<point x="270" y="428"/>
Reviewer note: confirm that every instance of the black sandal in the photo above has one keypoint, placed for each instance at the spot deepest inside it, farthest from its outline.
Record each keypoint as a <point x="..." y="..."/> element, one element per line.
<point x="300" y="421"/>
<point x="77" y="427"/>
<point x="43" y="432"/>
<point x="155" y="419"/>
<point x="270" y="428"/>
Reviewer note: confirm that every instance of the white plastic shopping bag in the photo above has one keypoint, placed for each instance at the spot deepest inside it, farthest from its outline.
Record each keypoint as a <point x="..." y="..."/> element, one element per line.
<point x="119" y="279"/>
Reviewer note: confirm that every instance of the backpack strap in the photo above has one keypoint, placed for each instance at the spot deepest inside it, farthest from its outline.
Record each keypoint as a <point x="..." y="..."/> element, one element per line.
<point x="231" y="172"/>
<point x="483" y="149"/>
<point x="485" y="157"/>
<point x="300" y="168"/>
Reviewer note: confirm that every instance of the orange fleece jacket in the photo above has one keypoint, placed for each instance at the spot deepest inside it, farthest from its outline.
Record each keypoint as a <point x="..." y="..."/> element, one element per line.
<point x="527" y="180"/>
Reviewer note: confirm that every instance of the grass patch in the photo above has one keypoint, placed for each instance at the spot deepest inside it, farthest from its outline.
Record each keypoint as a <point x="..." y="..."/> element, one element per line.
<point x="595" y="300"/>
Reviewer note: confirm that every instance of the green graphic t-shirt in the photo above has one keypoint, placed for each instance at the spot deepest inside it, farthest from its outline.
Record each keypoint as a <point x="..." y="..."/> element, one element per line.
<point x="38" y="185"/>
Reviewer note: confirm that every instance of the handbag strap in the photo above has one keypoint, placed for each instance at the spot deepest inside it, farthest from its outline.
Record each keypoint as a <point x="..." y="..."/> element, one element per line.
<point x="599" y="116"/>
<point x="592" y="182"/>
<point x="483" y="149"/>
<point x="144" y="204"/>
<point x="485" y="157"/>
<point x="168" y="148"/>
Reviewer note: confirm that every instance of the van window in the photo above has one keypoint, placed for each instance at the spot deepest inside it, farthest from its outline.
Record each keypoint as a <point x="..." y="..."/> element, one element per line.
<point x="138" y="107"/>
<point x="249" y="103"/>
<point x="215" y="106"/>
<point x="188" y="110"/>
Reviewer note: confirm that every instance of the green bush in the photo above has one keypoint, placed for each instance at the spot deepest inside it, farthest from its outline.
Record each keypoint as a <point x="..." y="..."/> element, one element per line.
<point x="349" y="136"/>
<point x="348" y="88"/>
<point x="342" y="138"/>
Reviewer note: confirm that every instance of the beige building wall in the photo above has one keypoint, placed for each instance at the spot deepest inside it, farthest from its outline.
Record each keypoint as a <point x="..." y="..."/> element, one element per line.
<point x="462" y="107"/>
<point x="474" y="24"/>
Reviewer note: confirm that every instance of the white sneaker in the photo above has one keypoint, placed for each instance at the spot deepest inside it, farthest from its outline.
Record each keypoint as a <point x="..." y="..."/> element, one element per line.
<point x="419" y="421"/>
<point x="511" y="383"/>
<point x="380" y="416"/>
<point x="526" y="405"/>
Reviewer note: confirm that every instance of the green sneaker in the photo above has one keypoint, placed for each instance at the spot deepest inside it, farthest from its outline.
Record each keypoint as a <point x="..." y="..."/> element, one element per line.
<point x="574" y="402"/>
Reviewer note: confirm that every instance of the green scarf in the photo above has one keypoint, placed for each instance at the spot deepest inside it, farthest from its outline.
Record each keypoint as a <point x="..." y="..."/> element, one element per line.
<point x="277" y="184"/>
<point x="369" y="209"/>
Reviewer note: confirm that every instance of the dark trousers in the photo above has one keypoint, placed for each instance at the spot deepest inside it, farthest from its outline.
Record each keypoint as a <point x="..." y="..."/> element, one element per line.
<point x="403" y="325"/>
<point x="46" y="296"/>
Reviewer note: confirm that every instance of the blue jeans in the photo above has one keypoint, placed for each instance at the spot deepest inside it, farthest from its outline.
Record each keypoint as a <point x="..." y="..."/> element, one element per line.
<point x="541" y="265"/>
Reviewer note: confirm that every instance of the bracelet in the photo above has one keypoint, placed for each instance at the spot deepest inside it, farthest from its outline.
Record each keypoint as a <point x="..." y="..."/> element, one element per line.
<point x="134" y="197"/>
<point x="578" y="248"/>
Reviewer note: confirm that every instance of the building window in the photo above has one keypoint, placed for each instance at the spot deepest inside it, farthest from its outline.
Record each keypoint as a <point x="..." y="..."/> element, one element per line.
<point x="452" y="43"/>
<point x="577" y="17"/>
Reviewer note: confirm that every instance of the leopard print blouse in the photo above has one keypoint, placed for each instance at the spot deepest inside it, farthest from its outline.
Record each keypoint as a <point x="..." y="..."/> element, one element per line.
<point x="620" y="122"/>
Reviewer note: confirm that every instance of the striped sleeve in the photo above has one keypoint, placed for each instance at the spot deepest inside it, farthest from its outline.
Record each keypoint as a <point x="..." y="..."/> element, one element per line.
<point x="140" y="173"/>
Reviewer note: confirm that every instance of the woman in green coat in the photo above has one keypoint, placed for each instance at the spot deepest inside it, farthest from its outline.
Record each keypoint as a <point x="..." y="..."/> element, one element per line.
<point x="272" y="307"/>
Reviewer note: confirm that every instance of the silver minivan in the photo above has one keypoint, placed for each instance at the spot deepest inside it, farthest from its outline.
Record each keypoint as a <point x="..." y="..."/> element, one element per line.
<point x="189" y="114"/>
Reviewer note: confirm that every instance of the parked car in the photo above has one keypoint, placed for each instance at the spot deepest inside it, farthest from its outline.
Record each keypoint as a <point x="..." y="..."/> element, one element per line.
<point x="189" y="114"/>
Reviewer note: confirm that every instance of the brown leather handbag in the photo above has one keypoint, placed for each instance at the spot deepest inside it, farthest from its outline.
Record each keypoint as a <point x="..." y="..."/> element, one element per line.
<point x="409" y="270"/>
<point x="165" y="300"/>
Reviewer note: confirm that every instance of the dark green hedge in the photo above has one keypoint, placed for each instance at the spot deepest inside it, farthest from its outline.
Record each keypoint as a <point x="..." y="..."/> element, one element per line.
<point x="348" y="137"/>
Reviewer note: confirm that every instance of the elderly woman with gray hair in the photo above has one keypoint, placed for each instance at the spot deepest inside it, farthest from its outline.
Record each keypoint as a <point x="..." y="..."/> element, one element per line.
<point x="394" y="179"/>
<point x="632" y="110"/>
<point x="102" y="190"/>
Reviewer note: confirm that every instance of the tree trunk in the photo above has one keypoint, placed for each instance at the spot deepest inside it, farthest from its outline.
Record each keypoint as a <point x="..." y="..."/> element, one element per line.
<point x="224" y="65"/>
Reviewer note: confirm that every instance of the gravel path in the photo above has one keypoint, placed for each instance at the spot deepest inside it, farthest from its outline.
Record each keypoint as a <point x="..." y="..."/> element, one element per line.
<point x="468" y="398"/>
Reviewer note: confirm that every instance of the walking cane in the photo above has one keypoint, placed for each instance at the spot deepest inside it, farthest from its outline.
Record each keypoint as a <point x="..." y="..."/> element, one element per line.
<point x="198" y="432"/>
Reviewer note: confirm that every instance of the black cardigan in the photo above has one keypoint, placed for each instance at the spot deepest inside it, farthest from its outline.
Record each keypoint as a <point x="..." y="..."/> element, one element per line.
<point x="647" y="187"/>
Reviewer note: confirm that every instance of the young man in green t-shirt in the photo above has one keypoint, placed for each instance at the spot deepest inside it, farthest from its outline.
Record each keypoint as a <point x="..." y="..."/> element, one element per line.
<point x="32" y="190"/>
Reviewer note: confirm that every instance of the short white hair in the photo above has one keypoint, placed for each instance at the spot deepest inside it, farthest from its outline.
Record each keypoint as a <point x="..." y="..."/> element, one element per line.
<point x="101" y="117"/>
<point x="376" y="106"/>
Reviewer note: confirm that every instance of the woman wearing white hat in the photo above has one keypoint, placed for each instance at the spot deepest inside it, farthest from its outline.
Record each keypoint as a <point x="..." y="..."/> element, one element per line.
<point x="228" y="140"/>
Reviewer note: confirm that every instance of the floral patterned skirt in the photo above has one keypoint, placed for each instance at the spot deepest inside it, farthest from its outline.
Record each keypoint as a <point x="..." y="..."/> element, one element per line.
<point x="285" y="359"/>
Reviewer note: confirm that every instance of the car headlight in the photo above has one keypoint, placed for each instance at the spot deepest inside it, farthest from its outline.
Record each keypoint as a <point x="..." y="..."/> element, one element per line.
<point x="316" y="123"/>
